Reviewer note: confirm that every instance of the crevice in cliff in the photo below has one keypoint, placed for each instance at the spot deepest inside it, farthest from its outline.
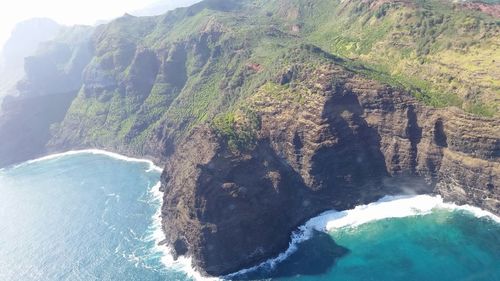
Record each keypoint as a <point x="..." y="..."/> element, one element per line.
<point x="356" y="157"/>
<point x="439" y="135"/>
<point x="414" y="134"/>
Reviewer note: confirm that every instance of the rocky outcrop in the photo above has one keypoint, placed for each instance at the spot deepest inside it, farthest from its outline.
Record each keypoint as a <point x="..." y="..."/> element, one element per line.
<point x="25" y="39"/>
<point x="331" y="141"/>
<point x="260" y="130"/>
<point x="52" y="81"/>
<point x="25" y="125"/>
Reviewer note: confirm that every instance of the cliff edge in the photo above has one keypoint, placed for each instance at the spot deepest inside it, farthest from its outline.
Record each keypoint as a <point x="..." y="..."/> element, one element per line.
<point x="316" y="138"/>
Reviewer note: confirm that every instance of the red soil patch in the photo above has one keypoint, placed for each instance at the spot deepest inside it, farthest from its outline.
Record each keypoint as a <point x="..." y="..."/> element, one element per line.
<point x="490" y="9"/>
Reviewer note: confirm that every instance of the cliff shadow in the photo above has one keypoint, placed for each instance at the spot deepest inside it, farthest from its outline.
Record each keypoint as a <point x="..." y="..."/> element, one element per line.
<point x="355" y="159"/>
<point x="313" y="257"/>
<point x="25" y="126"/>
<point x="254" y="212"/>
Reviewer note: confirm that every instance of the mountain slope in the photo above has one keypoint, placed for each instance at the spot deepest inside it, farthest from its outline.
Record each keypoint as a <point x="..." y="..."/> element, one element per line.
<point x="444" y="49"/>
<point x="329" y="103"/>
<point x="51" y="82"/>
<point x="199" y="60"/>
<point x="318" y="136"/>
<point x="23" y="42"/>
<point x="161" y="7"/>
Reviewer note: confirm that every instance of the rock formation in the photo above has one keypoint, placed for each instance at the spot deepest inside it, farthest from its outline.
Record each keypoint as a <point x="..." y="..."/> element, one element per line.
<point x="260" y="126"/>
<point x="333" y="141"/>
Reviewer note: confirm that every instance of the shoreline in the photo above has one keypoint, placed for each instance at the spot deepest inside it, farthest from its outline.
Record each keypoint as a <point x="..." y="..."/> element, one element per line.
<point x="399" y="206"/>
<point x="152" y="165"/>
<point x="182" y="264"/>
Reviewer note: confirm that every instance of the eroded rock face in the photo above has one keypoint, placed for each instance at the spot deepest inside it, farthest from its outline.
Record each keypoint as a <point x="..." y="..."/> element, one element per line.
<point x="53" y="79"/>
<point x="332" y="141"/>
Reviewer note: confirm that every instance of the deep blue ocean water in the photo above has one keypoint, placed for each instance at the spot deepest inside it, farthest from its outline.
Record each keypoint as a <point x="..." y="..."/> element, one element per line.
<point x="93" y="217"/>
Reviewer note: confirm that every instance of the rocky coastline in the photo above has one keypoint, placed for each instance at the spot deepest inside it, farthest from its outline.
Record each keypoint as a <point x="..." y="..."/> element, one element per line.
<point x="259" y="126"/>
<point x="349" y="141"/>
<point x="344" y="145"/>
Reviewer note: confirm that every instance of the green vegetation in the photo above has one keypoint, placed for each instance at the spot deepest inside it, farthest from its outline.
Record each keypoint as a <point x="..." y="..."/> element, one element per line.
<point x="158" y="77"/>
<point x="238" y="128"/>
<point x="439" y="47"/>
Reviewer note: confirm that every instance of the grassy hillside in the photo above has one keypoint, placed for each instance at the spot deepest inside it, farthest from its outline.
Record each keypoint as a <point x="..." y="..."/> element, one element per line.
<point x="445" y="50"/>
<point x="153" y="79"/>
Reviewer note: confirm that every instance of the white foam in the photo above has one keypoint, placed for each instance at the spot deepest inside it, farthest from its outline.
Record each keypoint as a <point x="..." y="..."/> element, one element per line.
<point x="152" y="166"/>
<point x="390" y="207"/>
<point x="182" y="264"/>
<point x="387" y="207"/>
<point x="185" y="265"/>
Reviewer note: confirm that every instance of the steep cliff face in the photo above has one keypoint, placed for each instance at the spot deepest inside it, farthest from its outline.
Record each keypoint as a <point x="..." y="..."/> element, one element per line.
<point x="259" y="128"/>
<point x="52" y="81"/>
<point x="470" y="166"/>
<point x="142" y="92"/>
<point x="145" y="83"/>
<point x="331" y="141"/>
<point x="23" y="42"/>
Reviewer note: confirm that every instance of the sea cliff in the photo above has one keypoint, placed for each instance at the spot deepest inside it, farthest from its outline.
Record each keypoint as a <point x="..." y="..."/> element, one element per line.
<point x="336" y="141"/>
<point x="266" y="113"/>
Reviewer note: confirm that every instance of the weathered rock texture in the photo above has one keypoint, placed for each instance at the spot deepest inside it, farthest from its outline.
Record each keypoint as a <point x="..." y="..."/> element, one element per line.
<point x="334" y="140"/>
<point x="261" y="130"/>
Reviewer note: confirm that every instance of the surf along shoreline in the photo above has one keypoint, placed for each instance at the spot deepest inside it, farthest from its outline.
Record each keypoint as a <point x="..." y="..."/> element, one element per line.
<point x="385" y="208"/>
<point x="182" y="264"/>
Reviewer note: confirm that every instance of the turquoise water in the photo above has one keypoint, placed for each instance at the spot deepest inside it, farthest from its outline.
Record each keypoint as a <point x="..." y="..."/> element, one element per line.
<point x="92" y="217"/>
<point x="440" y="246"/>
<point x="79" y="217"/>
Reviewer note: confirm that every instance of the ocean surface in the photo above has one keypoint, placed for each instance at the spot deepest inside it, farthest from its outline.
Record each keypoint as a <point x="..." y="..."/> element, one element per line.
<point x="95" y="216"/>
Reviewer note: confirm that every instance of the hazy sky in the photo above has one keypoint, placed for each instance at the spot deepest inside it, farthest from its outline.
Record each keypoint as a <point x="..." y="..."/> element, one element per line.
<point x="66" y="12"/>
